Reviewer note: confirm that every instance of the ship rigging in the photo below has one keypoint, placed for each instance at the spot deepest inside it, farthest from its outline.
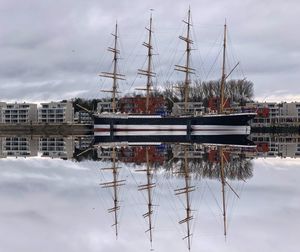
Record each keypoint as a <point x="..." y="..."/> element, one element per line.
<point x="123" y="126"/>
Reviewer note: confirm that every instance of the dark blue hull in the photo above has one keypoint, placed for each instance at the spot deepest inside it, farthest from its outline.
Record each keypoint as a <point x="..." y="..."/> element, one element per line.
<point x="230" y="119"/>
<point x="229" y="129"/>
<point x="217" y="139"/>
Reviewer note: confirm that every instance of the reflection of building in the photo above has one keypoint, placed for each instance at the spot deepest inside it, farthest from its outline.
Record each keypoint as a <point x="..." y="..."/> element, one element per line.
<point x="19" y="147"/>
<point x="84" y="142"/>
<point x="56" y="112"/>
<point x="18" y="112"/>
<point x="56" y="147"/>
<point x="27" y="146"/>
<point x="2" y="154"/>
<point x="273" y="146"/>
<point x="210" y="152"/>
<point x="193" y="150"/>
<point x="136" y="154"/>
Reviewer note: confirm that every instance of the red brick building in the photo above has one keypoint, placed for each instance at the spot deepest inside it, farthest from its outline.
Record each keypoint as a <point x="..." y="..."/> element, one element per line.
<point x="137" y="104"/>
<point x="213" y="103"/>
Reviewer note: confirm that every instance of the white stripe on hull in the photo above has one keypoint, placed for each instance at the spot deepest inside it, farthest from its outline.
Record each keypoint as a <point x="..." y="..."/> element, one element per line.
<point x="101" y="126"/>
<point x="150" y="127"/>
<point x="173" y="130"/>
<point x="220" y="130"/>
<point x="143" y="133"/>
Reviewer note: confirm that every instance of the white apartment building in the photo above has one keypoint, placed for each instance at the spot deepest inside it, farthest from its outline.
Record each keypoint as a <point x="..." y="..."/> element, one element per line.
<point x="192" y="108"/>
<point x="18" y="112"/>
<point x="2" y="105"/>
<point x="56" y="112"/>
<point x="279" y="113"/>
<point x="83" y="117"/>
<point x="105" y="106"/>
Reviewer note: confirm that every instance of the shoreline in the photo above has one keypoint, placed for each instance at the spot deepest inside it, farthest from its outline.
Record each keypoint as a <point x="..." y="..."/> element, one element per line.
<point x="87" y="129"/>
<point x="46" y="129"/>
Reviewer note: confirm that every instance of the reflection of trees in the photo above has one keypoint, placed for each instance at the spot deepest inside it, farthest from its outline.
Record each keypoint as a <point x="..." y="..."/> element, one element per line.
<point x="238" y="167"/>
<point x="82" y="155"/>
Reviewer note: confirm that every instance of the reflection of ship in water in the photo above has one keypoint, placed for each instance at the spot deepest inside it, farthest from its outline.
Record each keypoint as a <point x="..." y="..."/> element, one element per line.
<point x="184" y="164"/>
<point x="68" y="147"/>
<point x="203" y="159"/>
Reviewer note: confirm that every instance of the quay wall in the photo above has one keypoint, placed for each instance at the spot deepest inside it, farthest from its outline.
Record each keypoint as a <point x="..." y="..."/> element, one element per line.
<point x="46" y="129"/>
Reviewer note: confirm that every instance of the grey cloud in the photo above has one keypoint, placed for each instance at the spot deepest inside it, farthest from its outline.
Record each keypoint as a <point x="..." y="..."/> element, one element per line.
<point x="42" y="42"/>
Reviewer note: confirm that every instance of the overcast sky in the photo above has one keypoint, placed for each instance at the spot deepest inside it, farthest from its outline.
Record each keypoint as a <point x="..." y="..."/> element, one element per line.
<point x="53" y="50"/>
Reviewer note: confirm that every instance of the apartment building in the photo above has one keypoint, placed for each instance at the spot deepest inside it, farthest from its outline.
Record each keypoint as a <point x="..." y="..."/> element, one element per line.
<point x="18" y="112"/>
<point x="2" y="105"/>
<point x="272" y="113"/>
<point x="56" y="112"/>
<point x="192" y="108"/>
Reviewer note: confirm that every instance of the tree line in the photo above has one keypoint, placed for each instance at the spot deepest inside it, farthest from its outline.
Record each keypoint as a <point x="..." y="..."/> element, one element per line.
<point x="239" y="91"/>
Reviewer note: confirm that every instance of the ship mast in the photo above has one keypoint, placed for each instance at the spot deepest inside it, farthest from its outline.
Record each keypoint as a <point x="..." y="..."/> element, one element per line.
<point x="223" y="78"/>
<point x="186" y="190"/>
<point x="114" y="184"/>
<point x="148" y="186"/>
<point x="114" y="74"/>
<point x="149" y="72"/>
<point x="186" y="68"/>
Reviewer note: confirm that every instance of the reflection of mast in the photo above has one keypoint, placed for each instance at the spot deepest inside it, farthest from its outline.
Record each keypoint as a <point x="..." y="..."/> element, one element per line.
<point x="186" y="190"/>
<point x="149" y="73"/>
<point x="148" y="186"/>
<point x="115" y="183"/>
<point x="224" y="183"/>
<point x="223" y="188"/>
<point x="186" y="68"/>
<point x="114" y="75"/>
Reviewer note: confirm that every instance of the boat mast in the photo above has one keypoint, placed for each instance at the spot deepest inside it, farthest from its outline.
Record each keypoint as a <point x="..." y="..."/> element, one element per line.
<point x="114" y="184"/>
<point x="148" y="186"/>
<point x="149" y="72"/>
<point x="186" y="190"/>
<point x="114" y="74"/>
<point x="223" y="78"/>
<point x="186" y="68"/>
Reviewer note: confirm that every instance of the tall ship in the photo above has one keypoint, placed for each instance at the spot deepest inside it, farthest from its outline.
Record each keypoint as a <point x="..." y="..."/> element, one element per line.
<point x="117" y="126"/>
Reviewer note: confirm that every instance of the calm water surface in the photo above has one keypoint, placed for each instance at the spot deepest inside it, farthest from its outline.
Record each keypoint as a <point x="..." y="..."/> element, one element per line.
<point x="51" y="204"/>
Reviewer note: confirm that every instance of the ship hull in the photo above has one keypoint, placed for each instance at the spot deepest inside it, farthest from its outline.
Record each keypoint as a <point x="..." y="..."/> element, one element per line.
<point x="114" y="127"/>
